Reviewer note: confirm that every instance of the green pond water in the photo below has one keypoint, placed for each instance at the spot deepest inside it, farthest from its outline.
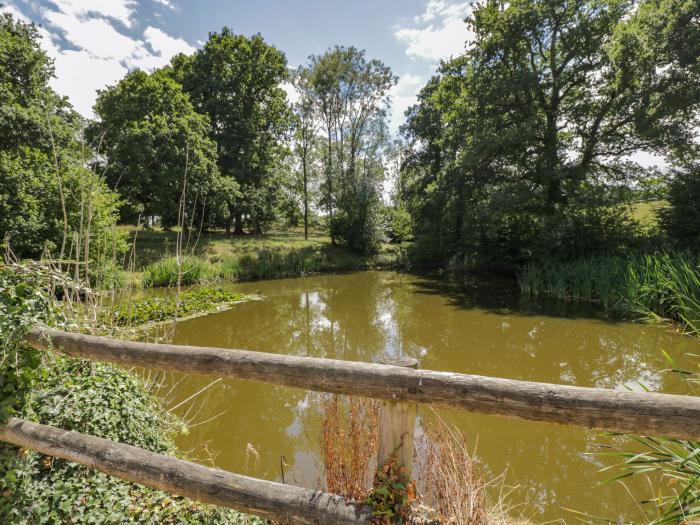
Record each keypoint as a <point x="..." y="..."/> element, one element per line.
<point x="483" y="328"/>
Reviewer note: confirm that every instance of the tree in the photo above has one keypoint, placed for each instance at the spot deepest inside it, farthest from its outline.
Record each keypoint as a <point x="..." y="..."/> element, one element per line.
<point x="48" y="199"/>
<point x="236" y="82"/>
<point x="523" y="139"/>
<point x="351" y="95"/>
<point x="304" y="135"/>
<point x="153" y="138"/>
<point x="681" y="219"/>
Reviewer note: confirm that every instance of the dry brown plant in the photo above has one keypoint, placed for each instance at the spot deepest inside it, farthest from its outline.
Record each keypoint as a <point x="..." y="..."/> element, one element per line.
<point x="448" y="475"/>
<point x="348" y="444"/>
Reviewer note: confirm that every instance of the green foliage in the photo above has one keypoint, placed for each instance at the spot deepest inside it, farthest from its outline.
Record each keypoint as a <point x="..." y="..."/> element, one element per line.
<point x="358" y="222"/>
<point x="97" y="399"/>
<point x="391" y="496"/>
<point x="156" y="143"/>
<point x="668" y="462"/>
<point x="236" y="81"/>
<point x="266" y="263"/>
<point x="350" y="95"/>
<point x="157" y="309"/>
<point x="47" y="197"/>
<point x="165" y="272"/>
<point x="22" y="306"/>
<point x="681" y="219"/>
<point x="400" y="224"/>
<point x="673" y="462"/>
<point x="519" y="146"/>
<point x="652" y="286"/>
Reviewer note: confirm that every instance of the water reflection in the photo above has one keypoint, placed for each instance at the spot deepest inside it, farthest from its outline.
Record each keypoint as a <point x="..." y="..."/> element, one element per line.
<point x="478" y="329"/>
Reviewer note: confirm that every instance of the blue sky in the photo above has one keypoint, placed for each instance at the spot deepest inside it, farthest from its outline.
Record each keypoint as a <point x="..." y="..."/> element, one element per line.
<point x="95" y="42"/>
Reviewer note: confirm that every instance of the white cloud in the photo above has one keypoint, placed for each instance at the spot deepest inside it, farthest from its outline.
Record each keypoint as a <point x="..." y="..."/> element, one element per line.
<point x="165" y="45"/>
<point x="96" y="36"/>
<point x="292" y="93"/>
<point x="166" y="3"/>
<point x="121" y="10"/>
<point x="438" y="33"/>
<point x="103" y="52"/>
<point x="403" y="96"/>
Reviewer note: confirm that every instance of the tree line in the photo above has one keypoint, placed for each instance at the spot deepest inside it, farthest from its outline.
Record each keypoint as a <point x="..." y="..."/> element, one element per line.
<point x="522" y="147"/>
<point x="210" y="141"/>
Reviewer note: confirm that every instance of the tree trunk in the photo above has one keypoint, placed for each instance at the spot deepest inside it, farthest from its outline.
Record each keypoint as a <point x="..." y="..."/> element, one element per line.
<point x="306" y="200"/>
<point x="238" y="224"/>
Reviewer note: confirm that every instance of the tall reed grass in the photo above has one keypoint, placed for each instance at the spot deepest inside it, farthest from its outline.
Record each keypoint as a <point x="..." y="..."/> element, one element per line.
<point x="263" y="264"/>
<point x="651" y="287"/>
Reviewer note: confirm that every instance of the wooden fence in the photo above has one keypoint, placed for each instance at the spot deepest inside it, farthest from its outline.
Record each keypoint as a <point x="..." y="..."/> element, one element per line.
<point x="400" y="385"/>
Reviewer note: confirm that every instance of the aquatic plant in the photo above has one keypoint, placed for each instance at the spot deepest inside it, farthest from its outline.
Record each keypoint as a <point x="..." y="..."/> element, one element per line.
<point x="646" y="286"/>
<point x="157" y="309"/>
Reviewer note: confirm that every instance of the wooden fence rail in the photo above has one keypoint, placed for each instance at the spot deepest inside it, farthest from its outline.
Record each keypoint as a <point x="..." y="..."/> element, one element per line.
<point x="632" y="412"/>
<point x="282" y="503"/>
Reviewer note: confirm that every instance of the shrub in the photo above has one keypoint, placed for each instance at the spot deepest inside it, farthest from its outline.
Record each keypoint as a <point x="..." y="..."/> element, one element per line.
<point x="681" y="219"/>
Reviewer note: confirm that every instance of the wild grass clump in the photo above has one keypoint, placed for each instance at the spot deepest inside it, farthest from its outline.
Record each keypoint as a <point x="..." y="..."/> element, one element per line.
<point x="650" y="286"/>
<point x="165" y="272"/>
<point x="450" y="481"/>
<point x="266" y="263"/>
<point x="448" y="487"/>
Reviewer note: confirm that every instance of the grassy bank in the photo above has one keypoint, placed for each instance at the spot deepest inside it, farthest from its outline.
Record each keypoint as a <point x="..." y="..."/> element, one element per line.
<point x="659" y="286"/>
<point x="219" y="259"/>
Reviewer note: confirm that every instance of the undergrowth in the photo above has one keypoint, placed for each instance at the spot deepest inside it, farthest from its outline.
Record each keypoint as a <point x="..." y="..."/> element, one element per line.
<point x="71" y="394"/>
<point x="263" y="264"/>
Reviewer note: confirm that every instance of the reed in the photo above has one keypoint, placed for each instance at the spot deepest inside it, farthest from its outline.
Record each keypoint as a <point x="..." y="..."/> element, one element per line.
<point x="651" y="287"/>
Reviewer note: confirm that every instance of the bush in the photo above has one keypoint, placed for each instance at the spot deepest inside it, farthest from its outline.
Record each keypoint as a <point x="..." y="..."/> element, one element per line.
<point x="358" y="222"/>
<point x="681" y="219"/>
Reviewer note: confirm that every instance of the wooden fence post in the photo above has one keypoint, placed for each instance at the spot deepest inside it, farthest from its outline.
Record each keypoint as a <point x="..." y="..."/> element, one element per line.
<point x="395" y="426"/>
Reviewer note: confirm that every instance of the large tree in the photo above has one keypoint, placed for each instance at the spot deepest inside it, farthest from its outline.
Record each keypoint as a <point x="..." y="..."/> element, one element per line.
<point x="236" y="81"/>
<point x="155" y="144"/>
<point x="48" y="200"/>
<point x="522" y="140"/>
<point x="351" y="95"/>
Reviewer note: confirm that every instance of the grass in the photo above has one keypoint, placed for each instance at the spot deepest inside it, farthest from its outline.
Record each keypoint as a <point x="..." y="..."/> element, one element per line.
<point x="645" y="213"/>
<point x="281" y="254"/>
<point x="653" y="287"/>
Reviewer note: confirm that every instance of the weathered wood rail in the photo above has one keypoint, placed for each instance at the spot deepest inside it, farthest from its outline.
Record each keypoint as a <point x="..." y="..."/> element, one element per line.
<point x="616" y="411"/>
<point x="282" y="503"/>
<point x="400" y="385"/>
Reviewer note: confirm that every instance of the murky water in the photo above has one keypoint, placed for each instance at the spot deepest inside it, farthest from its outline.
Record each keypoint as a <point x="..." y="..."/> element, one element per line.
<point x="486" y="329"/>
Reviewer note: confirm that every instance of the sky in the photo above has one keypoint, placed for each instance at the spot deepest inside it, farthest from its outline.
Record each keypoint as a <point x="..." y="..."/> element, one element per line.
<point x="94" y="43"/>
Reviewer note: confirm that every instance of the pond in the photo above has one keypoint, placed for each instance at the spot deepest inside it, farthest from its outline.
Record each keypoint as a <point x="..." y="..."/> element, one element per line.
<point x="478" y="328"/>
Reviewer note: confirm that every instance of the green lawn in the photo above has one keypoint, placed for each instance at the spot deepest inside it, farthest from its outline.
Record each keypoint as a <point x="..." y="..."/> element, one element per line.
<point x="645" y="212"/>
<point x="152" y="245"/>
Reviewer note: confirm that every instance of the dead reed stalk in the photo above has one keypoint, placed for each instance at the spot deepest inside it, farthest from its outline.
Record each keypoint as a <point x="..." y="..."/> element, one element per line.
<point x="448" y="475"/>
<point x="348" y="444"/>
